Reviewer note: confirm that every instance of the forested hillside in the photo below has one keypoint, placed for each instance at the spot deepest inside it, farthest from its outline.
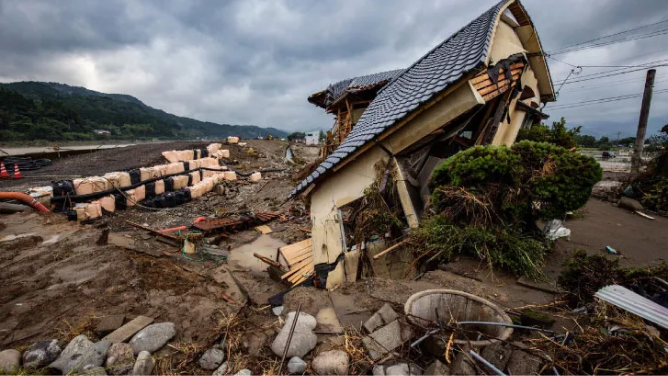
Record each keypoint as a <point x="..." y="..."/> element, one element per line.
<point x="52" y="111"/>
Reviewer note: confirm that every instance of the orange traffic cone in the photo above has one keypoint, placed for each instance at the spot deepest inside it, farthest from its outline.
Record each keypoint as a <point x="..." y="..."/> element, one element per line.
<point x="17" y="173"/>
<point x="3" y="171"/>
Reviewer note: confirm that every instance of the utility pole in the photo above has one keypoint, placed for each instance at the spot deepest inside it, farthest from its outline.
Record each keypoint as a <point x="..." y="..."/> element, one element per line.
<point x="636" y="160"/>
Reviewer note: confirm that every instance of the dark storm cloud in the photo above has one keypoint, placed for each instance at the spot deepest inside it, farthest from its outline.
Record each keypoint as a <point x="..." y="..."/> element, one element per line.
<point x="255" y="62"/>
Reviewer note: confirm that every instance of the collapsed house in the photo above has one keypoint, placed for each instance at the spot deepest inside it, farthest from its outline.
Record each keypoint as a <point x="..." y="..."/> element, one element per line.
<point x="478" y="87"/>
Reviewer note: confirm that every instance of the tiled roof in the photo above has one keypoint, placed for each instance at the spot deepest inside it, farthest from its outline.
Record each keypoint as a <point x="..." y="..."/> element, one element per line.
<point x="335" y="91"/>
<point x="431" y="74"/>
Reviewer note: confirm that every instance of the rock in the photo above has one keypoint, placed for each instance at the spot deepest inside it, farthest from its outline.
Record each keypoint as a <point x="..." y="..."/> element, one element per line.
<point x="334" y="362"/>
<point x="378" y="370"/>
<point x="81" y="354"/>
<point x="277" y="310"/>
<point x="109" y="323"/>
<point x="120" y="359"/>
<point x="93" y="370"/>
<point x="128" y="330"/>
<point x="244" y="372"/>
<point x="296" y="365"/>
<point x="41" y="353"/>
<point x="10" y="361"/>
<point x="523" y="363"/>
<point x="144" y="364"/>
<point x="303" y="338"/>
<point x="383" y="316"/>
<point x="220" y="371"/>
<point x="630" y="204"/>
<point x="437" y="368"/>
<point x="152" y="337"/>
<point x="401" y="369"/>
<point x="212" y="359"/>
<point x="498" y="354"/>
<point x="463" y="364"/>
<point x="386" y="339"/>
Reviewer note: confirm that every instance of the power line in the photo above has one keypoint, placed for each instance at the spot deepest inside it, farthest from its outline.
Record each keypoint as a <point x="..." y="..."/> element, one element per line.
<point x="603" y="100"/>
<point x="649" y="64"/>
<point x="633" y="38"/>
<point x="612" y="35"/>
<point x="635" y="79"/>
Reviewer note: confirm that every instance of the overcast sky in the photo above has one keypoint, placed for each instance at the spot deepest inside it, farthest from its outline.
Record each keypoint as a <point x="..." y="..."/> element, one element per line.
<point x="256" y="62"/>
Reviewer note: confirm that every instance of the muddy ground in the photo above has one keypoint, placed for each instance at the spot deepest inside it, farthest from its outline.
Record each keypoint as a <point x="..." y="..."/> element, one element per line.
<point x="61" y="277"/>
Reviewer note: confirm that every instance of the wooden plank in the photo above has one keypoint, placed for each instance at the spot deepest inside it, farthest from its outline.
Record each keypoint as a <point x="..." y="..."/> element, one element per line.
<point x="295" y="253"/>
<point x="301" y="273"/>
<point x="296" y="246"/>
<point x="501" y="83"/>
<point x="290" y="260"/>
<point x="267" y="260"/>
<point x="503" y="78"/>
<point x="392" y="248"/>
<point x="154" y="232"/>
<point x="482" y="76"/>
<point x="128" y="330"/>
<point x="296" y="268"/>
<point x="301" y="258"/>
<point x="264" y="229"/>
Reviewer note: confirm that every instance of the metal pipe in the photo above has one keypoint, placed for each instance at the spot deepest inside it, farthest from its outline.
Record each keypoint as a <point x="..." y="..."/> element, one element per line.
<point x="486" y="363"/>
<point x="25" y="198"/>
<point x="503" y="324"/>
<point x="292" y="330"/>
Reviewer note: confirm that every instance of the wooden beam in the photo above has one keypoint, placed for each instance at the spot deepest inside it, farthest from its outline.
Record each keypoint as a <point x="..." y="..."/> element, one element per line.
<point x="391" y="249"/>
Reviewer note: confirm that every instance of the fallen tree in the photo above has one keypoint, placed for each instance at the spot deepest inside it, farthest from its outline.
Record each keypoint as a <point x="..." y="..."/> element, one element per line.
<point x="486" y="200"/>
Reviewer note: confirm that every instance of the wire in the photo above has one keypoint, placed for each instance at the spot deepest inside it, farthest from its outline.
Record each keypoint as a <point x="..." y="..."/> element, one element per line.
<point x="613" y="35"/>
<point x="635" y="80"/>
<point x="649" y="64"/>
<point x="644" y="36"/>
<point x="605" y="100"/>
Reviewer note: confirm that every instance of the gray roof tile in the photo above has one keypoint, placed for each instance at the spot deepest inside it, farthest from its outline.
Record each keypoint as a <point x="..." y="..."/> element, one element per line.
<point x="434" y="72"/>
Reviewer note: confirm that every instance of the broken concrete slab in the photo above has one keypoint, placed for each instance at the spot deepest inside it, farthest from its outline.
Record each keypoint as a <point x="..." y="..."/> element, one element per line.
<point x="523" y="363"/>
<point x="383" y="316"/>
<point x="498" y="354"/>
<point x="386" y="339"/>
<point x="128" y="330"/>
<point x="327" y="322"/>
<point x="110" y="323"/>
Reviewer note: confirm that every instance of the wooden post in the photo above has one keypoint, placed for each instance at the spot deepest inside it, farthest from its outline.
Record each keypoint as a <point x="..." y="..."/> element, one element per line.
<point x="636" y="160"/>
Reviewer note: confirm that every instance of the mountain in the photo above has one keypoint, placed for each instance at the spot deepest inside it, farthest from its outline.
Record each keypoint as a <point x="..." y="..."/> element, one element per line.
<point x="53" y="111"/>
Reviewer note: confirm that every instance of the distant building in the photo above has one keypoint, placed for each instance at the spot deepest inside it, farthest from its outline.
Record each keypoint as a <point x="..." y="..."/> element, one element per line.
<point x="101" y="132"/>
<point x="312" y="138"/>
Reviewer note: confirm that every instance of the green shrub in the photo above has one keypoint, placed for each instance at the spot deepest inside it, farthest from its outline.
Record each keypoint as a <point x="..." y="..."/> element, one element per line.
<point x="557" y="134"/>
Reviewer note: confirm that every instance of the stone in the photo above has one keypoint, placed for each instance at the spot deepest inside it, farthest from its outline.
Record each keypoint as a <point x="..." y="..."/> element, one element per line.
<point x="386" y="339"/>
<point x="109" y="323"/>
<point x="153" y="337"/>
<point x="334" y="362"/>
<point x="126" y="331"/>
<point x="41" y="353"/>
<point x="437" y="368"/>
<point x="498" y="354"/>
<point x="120" y="359"/>
<point x="378" y="370"/>
<point x="244" y="372"/>
<point x="401" y="369"/>
<point x="10" y="361"/>
<point x="327" y="321"/>
<point x="81" y="354"/>
<point x="630" y="204"/>
<point x="277" y="310"/>
<point x="296" y="365"/>
<point x="211" y="359"/>
<point x="220" y="371"/>
<point x="303" y="338"/>
<point x="383" y="316"/>
<point x="523" y="363"/>
<point x="463" y="364"/>
<point x="144" y="364"/>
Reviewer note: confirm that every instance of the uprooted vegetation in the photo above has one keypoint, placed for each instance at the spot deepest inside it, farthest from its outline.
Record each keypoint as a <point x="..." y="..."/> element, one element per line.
<point x="486" y="200"/>
<point x="583" y="275"/>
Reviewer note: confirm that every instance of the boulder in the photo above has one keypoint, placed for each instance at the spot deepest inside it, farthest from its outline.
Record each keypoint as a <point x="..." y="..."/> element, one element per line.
<point x="120" y="359"/>
<point x="153" y="337"/>
<point x="244" y="372"/>
<point x="437" y="368"/>
<point x="523" y="363"/>
<point x="10" y="361"/>
<point x="81" y="354"/>
<point x="296" y="366"/>
<point x="41" y="353"/>
<point x="334" y="362"/>
<point x="401" y="369"/>
<point x="220" y="371"/>
<point x="212" y="359"/>
<point x="93" y="370"/>
<point x="303" y="338"/>
<point x="144" y="364"/>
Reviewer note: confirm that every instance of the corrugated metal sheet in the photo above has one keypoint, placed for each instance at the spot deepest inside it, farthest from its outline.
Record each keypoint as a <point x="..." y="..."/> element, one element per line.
<point x="630" y="301"/>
